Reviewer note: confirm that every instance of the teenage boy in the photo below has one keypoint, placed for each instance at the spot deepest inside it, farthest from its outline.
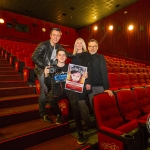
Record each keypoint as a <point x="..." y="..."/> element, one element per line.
<point x="60" y="92"/>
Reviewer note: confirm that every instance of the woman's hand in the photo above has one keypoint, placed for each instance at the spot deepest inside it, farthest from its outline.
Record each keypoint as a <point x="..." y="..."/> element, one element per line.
<point x="46" y="71"/>
<point x="85" y="75"/>
<point x="88" y="86"/>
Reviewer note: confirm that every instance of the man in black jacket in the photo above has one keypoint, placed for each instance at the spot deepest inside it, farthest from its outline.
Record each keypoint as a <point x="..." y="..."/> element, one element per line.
<point x="100" y="82"/>
<point x="44" y="55"/>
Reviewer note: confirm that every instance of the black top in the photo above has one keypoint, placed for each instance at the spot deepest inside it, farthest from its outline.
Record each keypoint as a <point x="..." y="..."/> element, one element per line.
<point x="84" y="59"/>
<point x="99" y="71"/>
<point x="42" y="55"/>
<point x="58" y="86"/>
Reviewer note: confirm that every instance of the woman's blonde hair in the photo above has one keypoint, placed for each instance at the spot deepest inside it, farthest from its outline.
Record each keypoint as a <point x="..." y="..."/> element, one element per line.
<point x="83" y="46"/>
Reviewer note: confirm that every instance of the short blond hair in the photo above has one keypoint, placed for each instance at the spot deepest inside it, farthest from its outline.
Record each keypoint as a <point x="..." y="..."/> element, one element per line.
<point x="83" y="46"/>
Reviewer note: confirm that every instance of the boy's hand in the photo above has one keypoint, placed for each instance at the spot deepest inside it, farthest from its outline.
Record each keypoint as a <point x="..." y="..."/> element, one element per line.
<point x="85" y="75"/>
<point x="46" y="71"/>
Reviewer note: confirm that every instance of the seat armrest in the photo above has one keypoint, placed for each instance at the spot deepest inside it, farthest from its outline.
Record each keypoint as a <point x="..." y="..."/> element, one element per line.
<point x="118" y="135"/>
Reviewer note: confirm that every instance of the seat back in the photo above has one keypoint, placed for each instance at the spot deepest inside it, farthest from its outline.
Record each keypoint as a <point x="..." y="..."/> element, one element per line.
<point x="145" y="70"/>
<point x="29" y="63"/>
<point x="127" y="105"/>
<point x="114" y="81"/>
<point x="133" y="79"/>
<point x="147" y="78"/>
<point x="129" y="70"/>
<point x="106" y="111"/>
<point x="123" y="70"/>
<point x="148" y="91"/>
<point x="115" y="69"/>
<point x="142" y="99"/>
<point x="135" y="70"/>
<point x="125" y="82"/>
<point x="140" y="70"/>
<point x="141" y="79"/>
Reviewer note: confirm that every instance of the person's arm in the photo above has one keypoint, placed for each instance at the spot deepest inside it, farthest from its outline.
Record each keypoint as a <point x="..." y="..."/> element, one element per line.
<point x="104" y="73"/>
<point x="69" y="55"/>
<point x="89" y="69"/>
<point x="37" y="56"/>
<point x="47" y="78"/>
<point x="89" y="72"/>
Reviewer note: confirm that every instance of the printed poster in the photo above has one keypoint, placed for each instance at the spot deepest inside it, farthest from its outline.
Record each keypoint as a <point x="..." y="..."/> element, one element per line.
<point x="75" y="80"/>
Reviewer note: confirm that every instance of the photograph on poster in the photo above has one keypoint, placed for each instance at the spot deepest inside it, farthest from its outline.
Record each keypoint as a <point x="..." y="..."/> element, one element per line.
<point x="75" y="79"/>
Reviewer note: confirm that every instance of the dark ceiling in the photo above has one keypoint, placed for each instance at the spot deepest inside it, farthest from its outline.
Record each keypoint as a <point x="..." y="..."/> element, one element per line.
<point x="71" y="13"/>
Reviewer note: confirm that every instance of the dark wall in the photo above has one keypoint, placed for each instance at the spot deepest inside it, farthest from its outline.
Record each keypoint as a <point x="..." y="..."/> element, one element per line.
<point x="131" y="44"/>
<point x="35" y="29"/>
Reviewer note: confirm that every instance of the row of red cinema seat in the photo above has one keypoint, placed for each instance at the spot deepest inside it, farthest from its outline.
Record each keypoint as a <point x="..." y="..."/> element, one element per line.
<point x="127" y="70"/>
<point x="19" y="55"/>
<point x="130" y="80"/>
<point x="122" y="119"/>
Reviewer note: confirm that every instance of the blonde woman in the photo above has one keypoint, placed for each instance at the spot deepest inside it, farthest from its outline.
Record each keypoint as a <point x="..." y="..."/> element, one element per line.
<point x="83" y="58"/>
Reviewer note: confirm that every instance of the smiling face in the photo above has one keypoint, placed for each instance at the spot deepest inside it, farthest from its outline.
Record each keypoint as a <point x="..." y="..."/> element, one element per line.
<point x="61" y="57"/>
<point x="79" y="46"/>
<point x="76" y="76"/>
<point x="55" y="37"/>
<point x="92" y="47"/>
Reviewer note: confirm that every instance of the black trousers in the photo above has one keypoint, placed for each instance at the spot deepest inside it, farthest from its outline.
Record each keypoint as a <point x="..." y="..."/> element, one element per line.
<point x="73" y="99"/>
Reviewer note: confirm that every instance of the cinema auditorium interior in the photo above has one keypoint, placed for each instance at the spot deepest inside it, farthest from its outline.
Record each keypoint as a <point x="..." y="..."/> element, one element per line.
<point x="122" y="30"/>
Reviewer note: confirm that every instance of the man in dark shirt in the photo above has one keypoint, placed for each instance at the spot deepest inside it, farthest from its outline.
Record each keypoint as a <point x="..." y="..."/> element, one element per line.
<point x="59" y="92"/>
<point x="99" y="71"/>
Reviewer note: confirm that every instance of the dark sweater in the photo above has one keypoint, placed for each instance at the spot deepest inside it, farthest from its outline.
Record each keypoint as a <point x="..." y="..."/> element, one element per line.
<point x="99" y="71"/>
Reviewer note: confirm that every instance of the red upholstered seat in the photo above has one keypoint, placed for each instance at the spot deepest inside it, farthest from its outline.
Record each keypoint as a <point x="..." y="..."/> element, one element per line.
<point x="28" y="70"/>
<point x="111" y="127"/>
<point x="123" y="70"/>
<point x="125" y="82"/>
<point x="128" y="107"/>
<point x="115" y="69"/>
<point x="141" y="79"/>
<point x="141" y="99"/>
<point x="114" y="81"/>
<point x="133" y="79"/>
<point x="145" y="70"/>
<point x="68" y="60"/>
<point x="147" y="78"/>
<point x="129" y="70"/>
<point x="140" y="70"/>
<point x="135" y="70"/>
<point x="148" y="90"/>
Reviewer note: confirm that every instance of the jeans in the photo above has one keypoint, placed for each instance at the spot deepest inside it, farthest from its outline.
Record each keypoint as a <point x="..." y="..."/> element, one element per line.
<point x="95" y="90"/>
<point x="85" y="113"/>
<point x="42" y="97"/>
<point x="73" y="99"/>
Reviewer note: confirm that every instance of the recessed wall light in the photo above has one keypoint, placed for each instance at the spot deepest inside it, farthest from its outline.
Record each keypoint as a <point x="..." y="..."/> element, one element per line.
<point x="95" y="27"/>
<point x="130" y="27"/>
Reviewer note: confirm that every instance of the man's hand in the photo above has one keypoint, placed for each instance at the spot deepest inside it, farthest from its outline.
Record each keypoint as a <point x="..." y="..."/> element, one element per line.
<point x="88" y="86"/>
<point x="85" y="75"/>
<point x="46" y="71"/>
<point x="110" y="93"/>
